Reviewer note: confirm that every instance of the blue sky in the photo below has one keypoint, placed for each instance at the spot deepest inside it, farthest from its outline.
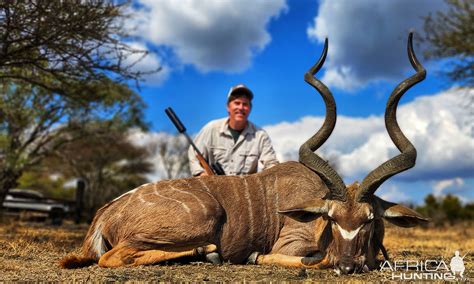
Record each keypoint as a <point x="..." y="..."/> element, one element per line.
<point x="205" y="47"/>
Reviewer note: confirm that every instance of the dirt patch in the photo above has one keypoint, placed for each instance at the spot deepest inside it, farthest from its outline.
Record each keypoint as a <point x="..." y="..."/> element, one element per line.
<point x="30" y="252"/>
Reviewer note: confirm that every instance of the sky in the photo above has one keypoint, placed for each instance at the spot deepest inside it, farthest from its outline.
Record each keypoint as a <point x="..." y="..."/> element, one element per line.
<point x="206" y="46"/>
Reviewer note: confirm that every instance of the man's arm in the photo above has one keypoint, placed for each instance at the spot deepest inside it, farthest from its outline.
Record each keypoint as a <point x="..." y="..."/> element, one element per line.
<point x="201" y="142"/>
<point x="268" y="156"/>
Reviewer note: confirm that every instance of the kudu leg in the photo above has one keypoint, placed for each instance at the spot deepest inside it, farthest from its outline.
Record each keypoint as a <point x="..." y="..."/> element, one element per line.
<point x="128" y="256"/>
<point x="290" y="261"/>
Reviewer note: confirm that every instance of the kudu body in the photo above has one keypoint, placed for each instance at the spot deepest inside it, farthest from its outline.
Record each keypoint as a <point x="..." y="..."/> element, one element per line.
<point x="293" y="214"/>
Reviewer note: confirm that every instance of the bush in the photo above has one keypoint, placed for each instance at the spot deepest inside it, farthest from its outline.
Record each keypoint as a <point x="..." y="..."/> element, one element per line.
<point x="448" y="208"/>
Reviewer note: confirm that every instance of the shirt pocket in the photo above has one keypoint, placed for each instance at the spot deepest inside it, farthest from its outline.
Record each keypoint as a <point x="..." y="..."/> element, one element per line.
<point x="218" y="155"/>
<point x="249" y="162"/>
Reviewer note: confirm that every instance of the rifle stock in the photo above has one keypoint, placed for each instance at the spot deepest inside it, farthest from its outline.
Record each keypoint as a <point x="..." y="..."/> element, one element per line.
<point x="204" y="164"/>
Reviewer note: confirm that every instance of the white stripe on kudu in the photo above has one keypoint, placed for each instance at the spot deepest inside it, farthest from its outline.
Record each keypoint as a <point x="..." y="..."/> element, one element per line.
<point x="129" y="192"/>
<point x="204" y="208"/>
<point x="249" y="207"/>
<point x="186" y="207"/>
<point x="203" y="184"/>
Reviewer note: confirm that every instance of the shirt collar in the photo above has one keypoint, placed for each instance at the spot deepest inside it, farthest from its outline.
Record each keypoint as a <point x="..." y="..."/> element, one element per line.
<point x="249" y="129"/>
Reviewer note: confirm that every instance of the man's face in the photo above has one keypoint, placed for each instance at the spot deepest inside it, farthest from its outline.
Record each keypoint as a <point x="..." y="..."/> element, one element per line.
<point x="239" y="109"/>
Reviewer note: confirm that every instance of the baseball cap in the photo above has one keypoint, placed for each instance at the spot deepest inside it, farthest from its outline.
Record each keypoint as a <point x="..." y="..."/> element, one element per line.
<point x="240" y="89"/>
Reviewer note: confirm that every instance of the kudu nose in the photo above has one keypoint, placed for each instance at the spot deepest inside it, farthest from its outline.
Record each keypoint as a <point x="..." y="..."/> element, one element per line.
<point x="346" y="266"/>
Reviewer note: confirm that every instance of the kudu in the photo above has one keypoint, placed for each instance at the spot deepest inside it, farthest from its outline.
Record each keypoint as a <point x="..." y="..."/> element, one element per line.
<point x="293" y="214"/>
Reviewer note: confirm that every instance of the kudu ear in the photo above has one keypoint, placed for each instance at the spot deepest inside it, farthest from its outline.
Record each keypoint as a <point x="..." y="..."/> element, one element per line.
<point x="307" y="211"/>
<point x="398" y="214"/>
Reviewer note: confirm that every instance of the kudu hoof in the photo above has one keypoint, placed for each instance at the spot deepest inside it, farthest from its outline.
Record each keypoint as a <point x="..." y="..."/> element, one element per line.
<point x="213" y="258"/>
<point x="200" y="251"/>
<point x="252" y="259"/>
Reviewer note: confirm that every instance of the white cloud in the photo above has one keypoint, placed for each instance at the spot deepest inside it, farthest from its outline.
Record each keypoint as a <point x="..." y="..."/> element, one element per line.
<point x="209" y="34"/>
<point x="367" y="38"/>
<point x="393" y="194"/>
<point x="349" y="133"/>
<point x="441" y="186"/>
<point x="439" y="126"/>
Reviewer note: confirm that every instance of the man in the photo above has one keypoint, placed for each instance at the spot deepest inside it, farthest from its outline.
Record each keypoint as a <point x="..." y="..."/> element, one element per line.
<point x="234" y="142"/>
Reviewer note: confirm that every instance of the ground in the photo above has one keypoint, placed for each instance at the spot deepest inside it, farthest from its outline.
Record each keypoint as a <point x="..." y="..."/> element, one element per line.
<point x="30" y="252"/>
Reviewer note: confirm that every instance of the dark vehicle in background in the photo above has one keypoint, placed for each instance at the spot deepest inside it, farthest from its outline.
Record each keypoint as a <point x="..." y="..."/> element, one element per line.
<point x="34" y="204"/>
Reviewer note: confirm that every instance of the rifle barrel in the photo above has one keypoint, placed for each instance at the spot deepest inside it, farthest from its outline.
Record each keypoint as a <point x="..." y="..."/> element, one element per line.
<point x="174" y="118"/>
<point x="181" y="129"/>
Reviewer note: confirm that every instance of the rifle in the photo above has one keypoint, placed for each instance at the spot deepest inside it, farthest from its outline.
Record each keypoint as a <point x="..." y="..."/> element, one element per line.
<point x="213" y="169"/>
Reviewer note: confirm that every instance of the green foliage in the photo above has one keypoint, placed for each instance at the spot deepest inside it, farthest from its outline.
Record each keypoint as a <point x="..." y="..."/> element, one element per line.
<point x="105" y="159"/>
<point x="452" y="207"/>
<point x="468" y="212"/>
<point x="51" y="185"/>
<point x="451" y="35"/>
<point x="36" y="123"/>
<point x="448" y="208"/>
<point x="64" y="66"/>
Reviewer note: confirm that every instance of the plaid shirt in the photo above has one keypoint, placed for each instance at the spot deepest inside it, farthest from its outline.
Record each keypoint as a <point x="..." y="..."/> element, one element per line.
<point x="236" y="158"/>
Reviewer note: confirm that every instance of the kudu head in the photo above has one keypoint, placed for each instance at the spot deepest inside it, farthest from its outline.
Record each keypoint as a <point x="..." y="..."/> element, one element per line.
<point x="353" y="213"/>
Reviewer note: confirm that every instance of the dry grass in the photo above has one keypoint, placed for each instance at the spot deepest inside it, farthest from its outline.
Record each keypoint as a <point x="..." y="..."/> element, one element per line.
<point x="30" y="252"/>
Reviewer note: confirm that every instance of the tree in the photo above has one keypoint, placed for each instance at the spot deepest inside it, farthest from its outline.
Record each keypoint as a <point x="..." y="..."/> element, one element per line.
<point x="62" y="65"/>
<point x="51" y="184"/>
<point x="172" y="151"/>
<point x="451" y="35"/>
<point x="452" y="208"/>
<point x="446" y="208"/>
<point x="60" y="45"/>
<point x="432" y="209"/>
<point x="468" y="211"/>
<point x="108" y="163"/>
<point x="35" y="123"/>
